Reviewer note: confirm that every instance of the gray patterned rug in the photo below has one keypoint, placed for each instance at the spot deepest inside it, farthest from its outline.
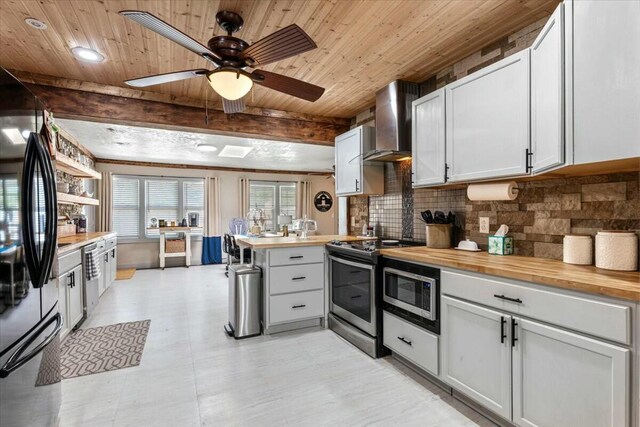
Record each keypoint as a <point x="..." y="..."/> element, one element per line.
<point x="105" y="348"/>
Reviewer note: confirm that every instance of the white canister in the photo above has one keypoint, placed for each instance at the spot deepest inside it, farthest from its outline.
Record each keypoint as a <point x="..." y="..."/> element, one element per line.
<point x="617" y="250"/>
<point x="577" y="249"/>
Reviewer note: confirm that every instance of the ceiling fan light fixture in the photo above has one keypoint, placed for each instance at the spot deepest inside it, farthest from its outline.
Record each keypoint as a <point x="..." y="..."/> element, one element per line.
<point x="230" y="84"/>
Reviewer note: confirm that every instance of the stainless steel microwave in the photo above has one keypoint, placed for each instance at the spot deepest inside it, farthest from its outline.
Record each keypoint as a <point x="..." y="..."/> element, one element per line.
<point x="411" y="292"/>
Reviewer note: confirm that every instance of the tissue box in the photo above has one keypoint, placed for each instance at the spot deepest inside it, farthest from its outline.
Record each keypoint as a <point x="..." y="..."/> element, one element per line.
<point x="500" y="245"/>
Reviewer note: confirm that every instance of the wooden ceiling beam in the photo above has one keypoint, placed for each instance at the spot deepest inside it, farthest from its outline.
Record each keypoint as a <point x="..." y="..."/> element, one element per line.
<point x="106" y="108"/>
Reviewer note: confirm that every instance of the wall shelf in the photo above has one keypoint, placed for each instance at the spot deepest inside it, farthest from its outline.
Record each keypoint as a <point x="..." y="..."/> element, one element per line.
<point x="74" y="168"/>
<point x="70" y="199"/>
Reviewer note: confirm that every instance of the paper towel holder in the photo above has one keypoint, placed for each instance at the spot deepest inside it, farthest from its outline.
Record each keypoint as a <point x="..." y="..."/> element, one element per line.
<point x="493" y="191"/>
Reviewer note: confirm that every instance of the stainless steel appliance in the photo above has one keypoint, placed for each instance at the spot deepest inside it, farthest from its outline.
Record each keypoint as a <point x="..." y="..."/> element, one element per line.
<point x="412" y="292"/>
<point x="393" y="121"/>
<point x="245" y="301"/>
<point x="29" y="320"/>
<point x="355" y="303"/>
<point x="91" y="286"/>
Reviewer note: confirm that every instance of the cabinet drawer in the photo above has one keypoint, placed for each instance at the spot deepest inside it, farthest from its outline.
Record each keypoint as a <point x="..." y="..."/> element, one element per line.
<point x="111" y="242"/>
<point x="69" y="261"/>
<point x="409" y="341"/>
<point x="296" y="278"/>
<point x="602" y="319"/>
<point x="293" y="256"/>
<point x="298" y="306"/>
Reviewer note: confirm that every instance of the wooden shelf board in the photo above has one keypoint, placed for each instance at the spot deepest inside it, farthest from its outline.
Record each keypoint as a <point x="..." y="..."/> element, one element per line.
<point x="70" y="199"/>
<point x="70" y="166"/>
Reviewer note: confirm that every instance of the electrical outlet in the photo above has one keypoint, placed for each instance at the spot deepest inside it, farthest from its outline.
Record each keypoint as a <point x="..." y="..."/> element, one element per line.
<point x="484" y="224"/>
<point x="353" y="221"/>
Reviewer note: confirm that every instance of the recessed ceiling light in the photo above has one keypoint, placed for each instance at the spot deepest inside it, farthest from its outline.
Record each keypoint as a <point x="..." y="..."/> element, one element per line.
<point x="38" y="25"/>
<point x="26" y="134"/>
<point x="87" y="55"/>
<point x="206" y="148"/>
<point x="14" y="135"/>
<point x="235" y="151"/>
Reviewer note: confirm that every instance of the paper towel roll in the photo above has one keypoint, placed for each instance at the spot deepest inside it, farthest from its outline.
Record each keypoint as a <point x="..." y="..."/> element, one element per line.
<point x="493" y="191"/>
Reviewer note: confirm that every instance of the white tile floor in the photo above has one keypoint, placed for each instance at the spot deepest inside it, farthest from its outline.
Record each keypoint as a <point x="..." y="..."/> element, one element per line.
<point x="193" y="374"/>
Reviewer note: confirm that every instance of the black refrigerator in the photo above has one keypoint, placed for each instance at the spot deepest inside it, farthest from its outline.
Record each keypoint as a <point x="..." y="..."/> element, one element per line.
<point x="30" y="323"/>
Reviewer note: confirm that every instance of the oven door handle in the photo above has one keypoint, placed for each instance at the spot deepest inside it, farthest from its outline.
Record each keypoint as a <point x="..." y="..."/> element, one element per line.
<point x="351" y="263"/>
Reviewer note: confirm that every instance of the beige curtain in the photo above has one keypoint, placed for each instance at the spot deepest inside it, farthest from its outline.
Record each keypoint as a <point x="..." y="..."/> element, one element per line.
<point x="303" y="199"/>
<point x="104" y="196"/>
<point x="243" y="208"/>
<point x="212" y="206"/>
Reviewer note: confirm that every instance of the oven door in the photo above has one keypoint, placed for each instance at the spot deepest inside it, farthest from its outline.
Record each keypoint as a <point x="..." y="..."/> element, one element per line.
<point x="353" y="292"/>
<point x="411" y="292"/>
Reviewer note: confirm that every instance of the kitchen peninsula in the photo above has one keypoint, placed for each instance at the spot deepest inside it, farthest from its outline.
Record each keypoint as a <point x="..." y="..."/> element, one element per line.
<point x="295" y="292"/>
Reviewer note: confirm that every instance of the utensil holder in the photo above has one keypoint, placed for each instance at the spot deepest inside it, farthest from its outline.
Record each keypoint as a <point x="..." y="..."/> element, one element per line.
<point x="439" y="236"/>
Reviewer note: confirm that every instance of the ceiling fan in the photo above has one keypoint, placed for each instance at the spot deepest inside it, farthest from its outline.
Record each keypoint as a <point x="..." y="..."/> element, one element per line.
<point x="231" y="57"/>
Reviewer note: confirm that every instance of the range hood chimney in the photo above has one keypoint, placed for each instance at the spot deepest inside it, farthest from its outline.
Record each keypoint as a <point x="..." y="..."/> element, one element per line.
<point x="393" y="121"/>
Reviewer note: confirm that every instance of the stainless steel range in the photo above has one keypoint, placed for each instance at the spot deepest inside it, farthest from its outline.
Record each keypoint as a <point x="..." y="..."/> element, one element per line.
<point x="355" y="303"/>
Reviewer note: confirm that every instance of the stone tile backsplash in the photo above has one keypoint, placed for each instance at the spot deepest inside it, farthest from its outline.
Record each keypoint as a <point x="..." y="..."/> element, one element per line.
<point x="544" y="212"/>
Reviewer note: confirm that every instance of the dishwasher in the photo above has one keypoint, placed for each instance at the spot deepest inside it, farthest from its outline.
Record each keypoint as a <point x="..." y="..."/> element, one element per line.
<point x="91" y="287"/>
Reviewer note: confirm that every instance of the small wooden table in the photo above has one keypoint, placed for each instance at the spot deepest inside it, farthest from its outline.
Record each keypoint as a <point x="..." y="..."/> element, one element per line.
<point x="187" y="247"/>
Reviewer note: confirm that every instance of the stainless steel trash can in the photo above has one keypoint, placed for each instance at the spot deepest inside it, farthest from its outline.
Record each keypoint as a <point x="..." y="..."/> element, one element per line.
<point x="245" y="301"/>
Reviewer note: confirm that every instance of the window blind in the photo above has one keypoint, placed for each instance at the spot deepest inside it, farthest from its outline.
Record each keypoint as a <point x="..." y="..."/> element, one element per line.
<point x="126" y="206"/>
<point x="193" y="199"/>
<point x="10" y="205"/>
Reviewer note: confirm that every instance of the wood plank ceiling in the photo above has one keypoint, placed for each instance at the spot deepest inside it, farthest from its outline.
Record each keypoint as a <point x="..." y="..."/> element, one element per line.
<point x="362" y="45"/>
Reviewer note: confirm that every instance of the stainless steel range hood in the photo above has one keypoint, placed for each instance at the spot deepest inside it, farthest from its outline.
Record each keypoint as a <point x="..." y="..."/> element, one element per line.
<point x="393" y="122"/>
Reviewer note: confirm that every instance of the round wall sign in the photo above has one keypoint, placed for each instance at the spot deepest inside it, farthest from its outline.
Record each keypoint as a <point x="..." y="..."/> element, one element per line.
<point x="323" y="201"/>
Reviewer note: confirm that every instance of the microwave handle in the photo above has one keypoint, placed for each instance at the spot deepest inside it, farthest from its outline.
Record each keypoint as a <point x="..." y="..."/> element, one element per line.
<point x="408" y="275"/>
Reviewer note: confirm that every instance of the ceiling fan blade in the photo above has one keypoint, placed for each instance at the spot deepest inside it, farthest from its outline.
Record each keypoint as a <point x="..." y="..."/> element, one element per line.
<point x="166" y="78"/>
<point x="284" y="43"/>
<point x="158" y="26"/>
<point x="231" y="107"/>
<point x="288" y="85"/>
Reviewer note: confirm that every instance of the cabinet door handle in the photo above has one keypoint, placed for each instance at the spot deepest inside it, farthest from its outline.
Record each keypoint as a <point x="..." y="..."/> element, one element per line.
<point x="298" y="306"/>
<point x="513" y="332"/>
<point x="113" y="253"/>
<point x="404" y="340"/>
<point x="299" y="278"/>
<point x="529" y="160"/>
<point x="296" y="257"/>
<point x="357" y="185"/>
<point x="518" y="300"/>
<point x="503" y="323"/>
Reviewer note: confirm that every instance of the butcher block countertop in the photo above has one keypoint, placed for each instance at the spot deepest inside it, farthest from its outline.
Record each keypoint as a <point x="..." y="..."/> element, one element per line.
<point x="549" y="272"/>
<point x="292" y="242"/>
<point x="71" y="243"/>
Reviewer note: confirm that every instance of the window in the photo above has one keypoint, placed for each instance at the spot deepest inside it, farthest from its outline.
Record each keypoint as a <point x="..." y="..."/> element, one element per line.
<point x="9" y="207"/>
<point x="169" y="199"/>
<point x="274" y="198"/>
<point x="126" y="206"/>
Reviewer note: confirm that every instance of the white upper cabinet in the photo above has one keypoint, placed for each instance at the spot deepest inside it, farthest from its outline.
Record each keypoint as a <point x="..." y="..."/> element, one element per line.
<point x="488" y="119"/>
<point x="428" y="139"/>
<point x="603" y="79"/>
<point x="353" y="176"/>
<point x="547" y="95"/>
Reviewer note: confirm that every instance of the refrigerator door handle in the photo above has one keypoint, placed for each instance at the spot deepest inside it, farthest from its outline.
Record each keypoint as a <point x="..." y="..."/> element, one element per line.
<point x="17" y="360"/>
<point x="51" y="210"/>
<point x="28" y="170"/>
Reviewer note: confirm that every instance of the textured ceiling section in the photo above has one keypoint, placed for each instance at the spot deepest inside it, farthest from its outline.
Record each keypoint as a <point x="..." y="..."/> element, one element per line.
<point x="132" y="143"/>
<point x="362" y="45"/>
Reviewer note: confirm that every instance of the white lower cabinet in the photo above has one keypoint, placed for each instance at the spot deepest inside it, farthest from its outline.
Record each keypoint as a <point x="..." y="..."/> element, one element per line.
<point x="296" y="306"/>
<point x="476" y="353"/>
<point x="411" y="342"/>
<point x="564" y="379"/>
<point x="552" y="377"/>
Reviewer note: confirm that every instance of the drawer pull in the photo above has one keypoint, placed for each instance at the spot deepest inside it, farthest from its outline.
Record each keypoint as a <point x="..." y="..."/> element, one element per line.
<point x="503" y="323"/>
<point x="298" y="306"/>
<point x="518" y="300"/>
<point x="299" y="278"/>
<point x="296" y="257"/>
<point x="405" y="340"/>
<point x="356" y="296"/>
